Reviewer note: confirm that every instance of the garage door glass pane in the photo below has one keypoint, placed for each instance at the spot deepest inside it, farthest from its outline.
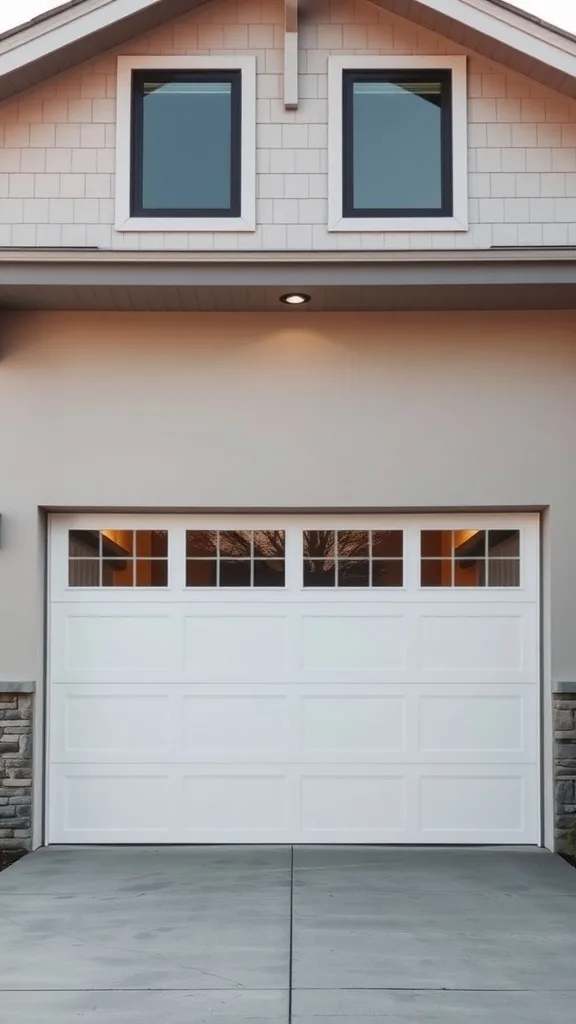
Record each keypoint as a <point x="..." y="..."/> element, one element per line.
<point x="235" y="558"/>
<point x="436" y="543"/>
<point x="201" y="543"/>
<point x="117" y="572"/>
<point x="387" y="573"/>
<point x="469" y="558"/>
<point x="118" y="543"/>
<point x="151" y="572"/>
<point x="504" y="543"/>
<point x="503" y="572"/>
<point x="469" y="573"/>
<point x="270" y="573"/>
<point x="319" y="572"/>
<point x="387" y="543"/>
<point x="152" y="543"/>
<point x="121" y="558"/>
<point x="353" y="573"/>
<point x="202" y="573"/>
<point x="84" y="543"/>
<point x="235" y="544"/>
<point x="84" y="572"/>
<point x="353" y="543"/>
<point x="348" y="558"/>
<point x="319" y="543"/>
<point x="269" y="544"/>
<point x="235" y="573"/>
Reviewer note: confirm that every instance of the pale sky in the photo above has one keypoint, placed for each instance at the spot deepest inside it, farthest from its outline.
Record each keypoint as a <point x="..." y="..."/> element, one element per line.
<point x="559" y="12"/>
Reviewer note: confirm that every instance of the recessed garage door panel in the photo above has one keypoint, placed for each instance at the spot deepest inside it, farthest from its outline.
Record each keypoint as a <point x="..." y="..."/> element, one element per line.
<point x="478" y="643"/>
<point x="301" y="643"/>
<point x="265" y="804"/>
<point x="100" y="723"/>
<point x="210" y="682"/>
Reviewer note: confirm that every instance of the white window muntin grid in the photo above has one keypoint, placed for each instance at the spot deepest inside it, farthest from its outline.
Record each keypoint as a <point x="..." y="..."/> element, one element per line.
<point x="99" y="558"/>
<point x="252" y="559"/>
<point x="370" y="558"/>
<point x="294" y="525"/>
<point x="486" y="558"/>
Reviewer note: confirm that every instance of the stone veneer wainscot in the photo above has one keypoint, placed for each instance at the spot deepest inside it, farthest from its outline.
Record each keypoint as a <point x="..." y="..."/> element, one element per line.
<point x="16" y="766"/>
<point x="565" y="758"/>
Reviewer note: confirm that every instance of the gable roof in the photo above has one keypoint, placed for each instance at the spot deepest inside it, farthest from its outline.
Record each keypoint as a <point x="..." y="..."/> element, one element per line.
<point x="80" y="29"/>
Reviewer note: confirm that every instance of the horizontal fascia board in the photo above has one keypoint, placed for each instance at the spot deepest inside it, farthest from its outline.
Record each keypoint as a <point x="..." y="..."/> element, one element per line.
<point x="133" y="256"/>
<point x="287" y="276"/>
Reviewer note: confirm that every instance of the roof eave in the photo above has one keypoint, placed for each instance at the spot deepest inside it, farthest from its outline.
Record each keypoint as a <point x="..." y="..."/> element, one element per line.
<point x="75" y="32"/>
<point x="81" y="29"/>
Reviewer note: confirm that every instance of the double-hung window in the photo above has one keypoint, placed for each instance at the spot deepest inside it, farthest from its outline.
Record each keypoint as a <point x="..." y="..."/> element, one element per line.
<point x="186" y="144"/>
<point x="398" y="144"/>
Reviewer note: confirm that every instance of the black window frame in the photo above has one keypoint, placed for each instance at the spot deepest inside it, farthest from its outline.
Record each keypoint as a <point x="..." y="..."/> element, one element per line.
<point x="139" y="78"/>
<point x="350" y="78"/>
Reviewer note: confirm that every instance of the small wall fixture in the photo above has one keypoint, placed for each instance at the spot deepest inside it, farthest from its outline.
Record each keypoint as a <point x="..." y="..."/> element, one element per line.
<point x="295" y="299"/>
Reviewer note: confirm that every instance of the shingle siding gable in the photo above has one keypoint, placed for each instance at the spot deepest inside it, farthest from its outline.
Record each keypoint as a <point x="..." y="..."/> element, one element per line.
<point x="57" y="155"/>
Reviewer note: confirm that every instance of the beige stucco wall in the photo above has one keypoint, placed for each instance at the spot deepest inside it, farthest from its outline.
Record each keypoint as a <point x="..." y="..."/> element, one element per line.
<point x="58" y="142"/>
<point x="314" y="410"/>
<point x="288" y="411"/>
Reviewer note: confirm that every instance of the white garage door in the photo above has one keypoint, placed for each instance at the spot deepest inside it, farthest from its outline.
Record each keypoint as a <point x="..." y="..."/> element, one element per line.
<point x="294" y="679"/>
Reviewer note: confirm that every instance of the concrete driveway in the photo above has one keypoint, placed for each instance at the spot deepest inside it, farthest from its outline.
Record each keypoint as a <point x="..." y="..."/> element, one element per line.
<point x="315" y="936"/>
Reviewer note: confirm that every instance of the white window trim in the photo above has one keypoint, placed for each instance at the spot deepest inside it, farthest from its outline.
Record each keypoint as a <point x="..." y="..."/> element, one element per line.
<point x="247" y="220"/>
<point x="459" y="220"/>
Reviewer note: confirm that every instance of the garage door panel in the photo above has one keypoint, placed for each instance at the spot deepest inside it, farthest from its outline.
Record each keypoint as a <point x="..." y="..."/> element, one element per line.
<point x="478" y="806"/>
<point x="259" y="804"/>
<point x="481" y="805"/>
<point x="242" y="801"/>
<point x="179" y="723"/>
<point x="473" y="644"/>
<point x="485" y="724"/>
<point x="99" y="643"/>
<point x="354" y="641"/>
<point x="225" y="725"/>
<point x="361" y="726"/>
<point x="330" y="714"/>
<point x="112" y="726"/>
<point x="236" y="644"/>
<point x="108" y="803"/>
<point x="183" y="723"/>
<point x="353" y="804"/>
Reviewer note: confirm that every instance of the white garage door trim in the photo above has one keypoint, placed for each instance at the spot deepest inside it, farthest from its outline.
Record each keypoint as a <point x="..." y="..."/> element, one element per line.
<point x="248" y="715"/>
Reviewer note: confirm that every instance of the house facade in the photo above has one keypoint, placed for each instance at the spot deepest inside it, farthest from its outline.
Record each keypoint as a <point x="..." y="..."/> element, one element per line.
<point x="288" y="408"/>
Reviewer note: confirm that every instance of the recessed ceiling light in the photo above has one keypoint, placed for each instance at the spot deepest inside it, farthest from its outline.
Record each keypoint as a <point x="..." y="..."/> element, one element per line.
<point x="295" y="299"/>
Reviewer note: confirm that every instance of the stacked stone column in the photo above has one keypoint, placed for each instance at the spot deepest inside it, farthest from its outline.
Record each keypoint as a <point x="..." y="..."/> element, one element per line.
<point x="15" y="771"/>
<point x="565" y="757"/>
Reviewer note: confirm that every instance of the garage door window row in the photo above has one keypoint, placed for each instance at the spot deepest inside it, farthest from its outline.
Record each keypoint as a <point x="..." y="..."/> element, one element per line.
<point x="330" y="558"/>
